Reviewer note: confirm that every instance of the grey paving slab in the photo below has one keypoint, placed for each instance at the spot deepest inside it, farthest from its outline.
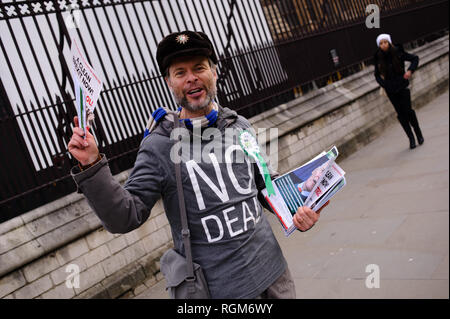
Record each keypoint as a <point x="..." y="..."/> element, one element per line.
<point x="409" y="203"/>
<point x="406" y="184"/>
<point x="356" y="289"/>
<point x="422" y="232"/>
<point x="392" y="263"/>
<point x="441" y="271"/>
<point x="361" y="231"/>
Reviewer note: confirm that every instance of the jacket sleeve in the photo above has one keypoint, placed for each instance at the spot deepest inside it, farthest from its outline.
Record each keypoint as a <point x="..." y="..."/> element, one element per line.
<point x="380" y="81"/>
<point x="414" y="59"/>
<point x="121" y="209"/>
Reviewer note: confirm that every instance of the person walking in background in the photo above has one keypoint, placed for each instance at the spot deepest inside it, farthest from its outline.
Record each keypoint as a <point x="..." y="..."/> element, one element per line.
<point x="390" y="73"/>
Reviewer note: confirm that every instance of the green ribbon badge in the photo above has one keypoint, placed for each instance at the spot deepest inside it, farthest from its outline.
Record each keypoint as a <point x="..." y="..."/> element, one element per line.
<point x="251" y="148"/>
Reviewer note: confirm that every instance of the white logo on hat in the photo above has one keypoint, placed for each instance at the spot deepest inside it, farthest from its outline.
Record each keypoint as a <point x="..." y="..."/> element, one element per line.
<point x="182" y="38"/>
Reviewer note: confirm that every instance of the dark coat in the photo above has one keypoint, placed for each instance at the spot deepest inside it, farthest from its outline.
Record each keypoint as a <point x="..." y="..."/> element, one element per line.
<point x="394" y="81"/>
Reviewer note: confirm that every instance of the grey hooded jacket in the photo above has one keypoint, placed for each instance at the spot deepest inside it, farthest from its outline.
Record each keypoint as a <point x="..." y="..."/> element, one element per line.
<point x="231" y="237"/>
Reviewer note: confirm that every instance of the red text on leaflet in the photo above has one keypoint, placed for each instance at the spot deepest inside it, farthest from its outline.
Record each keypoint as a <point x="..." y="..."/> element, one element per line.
<point x="318" y="191"/>
<point x="88" y="100"/>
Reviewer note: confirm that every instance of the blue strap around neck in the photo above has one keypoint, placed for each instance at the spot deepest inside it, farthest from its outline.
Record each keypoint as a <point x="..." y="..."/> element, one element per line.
<point x="160" y="113"/>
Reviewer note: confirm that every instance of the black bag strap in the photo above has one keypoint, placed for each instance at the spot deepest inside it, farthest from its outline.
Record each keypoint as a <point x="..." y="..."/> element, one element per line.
<point x="185" y="234"/>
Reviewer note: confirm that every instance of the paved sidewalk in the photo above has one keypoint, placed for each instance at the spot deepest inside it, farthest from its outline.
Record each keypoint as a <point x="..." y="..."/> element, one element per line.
<point x="393" y="213"/>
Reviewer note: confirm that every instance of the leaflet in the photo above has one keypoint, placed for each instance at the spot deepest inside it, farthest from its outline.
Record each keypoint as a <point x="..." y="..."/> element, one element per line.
<point x="311" y="184"/>
<point x="87" y="86"/>
<point x="330" y="176"/>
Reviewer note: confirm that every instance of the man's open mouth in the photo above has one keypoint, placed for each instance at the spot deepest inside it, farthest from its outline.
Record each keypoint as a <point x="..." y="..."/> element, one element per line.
<point x="195" y="92"/>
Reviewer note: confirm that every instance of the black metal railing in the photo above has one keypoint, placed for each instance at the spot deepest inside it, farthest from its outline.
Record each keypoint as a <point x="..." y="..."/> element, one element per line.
<point x="266" y="50"/>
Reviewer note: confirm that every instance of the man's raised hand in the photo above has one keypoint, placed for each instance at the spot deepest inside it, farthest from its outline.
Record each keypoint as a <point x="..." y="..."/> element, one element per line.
<point x="84" y="150"/>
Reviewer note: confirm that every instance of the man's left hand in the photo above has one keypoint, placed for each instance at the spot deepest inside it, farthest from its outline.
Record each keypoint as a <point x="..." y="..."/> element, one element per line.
<point x="305" y="218"/>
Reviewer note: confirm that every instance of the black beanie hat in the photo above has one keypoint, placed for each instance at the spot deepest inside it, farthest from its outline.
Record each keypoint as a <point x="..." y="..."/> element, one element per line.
<point x="183" y="43"/>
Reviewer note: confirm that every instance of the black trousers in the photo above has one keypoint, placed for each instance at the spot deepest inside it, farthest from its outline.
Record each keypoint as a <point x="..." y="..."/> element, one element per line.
<point x="405" y="114"/>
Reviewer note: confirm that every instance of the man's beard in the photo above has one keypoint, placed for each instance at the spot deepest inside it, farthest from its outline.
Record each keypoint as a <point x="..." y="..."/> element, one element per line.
<point x="182" y="100"/>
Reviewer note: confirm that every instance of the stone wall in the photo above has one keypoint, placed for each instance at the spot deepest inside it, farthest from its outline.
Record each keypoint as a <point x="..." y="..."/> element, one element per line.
<point x="36" y="248"/>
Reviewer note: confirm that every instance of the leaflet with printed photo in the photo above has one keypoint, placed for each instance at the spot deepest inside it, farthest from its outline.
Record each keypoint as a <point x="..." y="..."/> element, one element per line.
<point x="330" y="193"/>
<point x="311" y="184"/>
<point x="330" y="176"/>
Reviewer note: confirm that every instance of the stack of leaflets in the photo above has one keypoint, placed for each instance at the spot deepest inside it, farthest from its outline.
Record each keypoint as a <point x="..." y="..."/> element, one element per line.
<point x="311" y="185"/>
